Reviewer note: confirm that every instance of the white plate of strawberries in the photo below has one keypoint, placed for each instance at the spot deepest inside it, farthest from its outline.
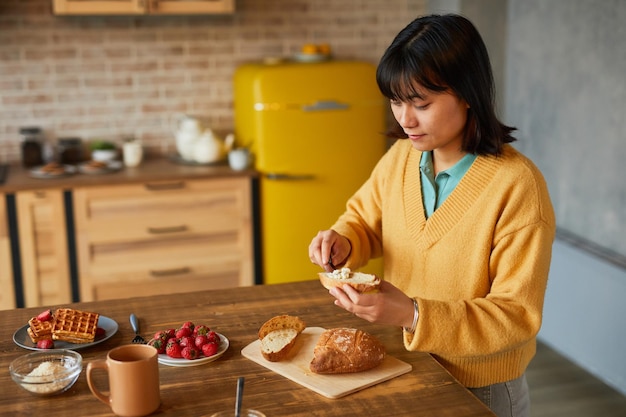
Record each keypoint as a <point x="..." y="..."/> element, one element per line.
<point x="189" y="345"/>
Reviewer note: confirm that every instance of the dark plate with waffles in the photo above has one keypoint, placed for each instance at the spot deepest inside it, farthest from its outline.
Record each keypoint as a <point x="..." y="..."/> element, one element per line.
<point x="110" y="326"/>
<point x="52" y="170"/>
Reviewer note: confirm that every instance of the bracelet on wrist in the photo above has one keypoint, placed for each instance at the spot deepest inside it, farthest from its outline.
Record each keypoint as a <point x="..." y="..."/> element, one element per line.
<point x="415" y="316"/>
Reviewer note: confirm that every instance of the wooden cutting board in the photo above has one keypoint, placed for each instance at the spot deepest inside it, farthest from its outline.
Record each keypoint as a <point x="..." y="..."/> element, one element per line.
<point x="296" y="368"/>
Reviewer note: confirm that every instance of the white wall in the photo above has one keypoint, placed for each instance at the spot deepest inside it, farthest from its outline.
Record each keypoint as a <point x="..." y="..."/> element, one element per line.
<point x="585" y="313"/>
<point x="565" y="91"/>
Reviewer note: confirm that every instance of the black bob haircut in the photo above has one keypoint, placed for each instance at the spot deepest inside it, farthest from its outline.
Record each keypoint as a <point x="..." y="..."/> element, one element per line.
<point x="446" y="53"/>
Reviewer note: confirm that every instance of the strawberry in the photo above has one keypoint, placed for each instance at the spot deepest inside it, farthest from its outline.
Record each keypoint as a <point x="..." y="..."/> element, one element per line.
<point x="158" y="344"/>
<point x="45" y="315"/>
<point x="189" y="325"/>
<point x="212" y="337"/>
<point x="186" y="341"/>
<point x="201" y="330"/>
<point x="173" y="349"/>
<point x="183" y="331"/>
<point x="199" y="341"/>
<point x="100" y="331"/>
<point x="45" y="344"/>
<point x="190" y="352"/>
<point x="170" y="333"/>
<point x="161" y="334"/>
<point x="209" y="349"/>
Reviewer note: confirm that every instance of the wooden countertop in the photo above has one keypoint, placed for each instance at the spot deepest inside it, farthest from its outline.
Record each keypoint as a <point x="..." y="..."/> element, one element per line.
<point x="156" y="169"/>
<point x="238" y="313"/>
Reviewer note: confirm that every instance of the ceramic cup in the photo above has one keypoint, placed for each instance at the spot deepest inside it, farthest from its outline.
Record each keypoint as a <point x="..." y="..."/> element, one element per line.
<point x="132" y="153"/>
<point x="133" y="374"/>
<point x="239" y="159"/>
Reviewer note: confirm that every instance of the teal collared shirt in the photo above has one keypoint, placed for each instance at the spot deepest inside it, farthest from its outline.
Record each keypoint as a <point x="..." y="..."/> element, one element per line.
<point x="435" y="190"/>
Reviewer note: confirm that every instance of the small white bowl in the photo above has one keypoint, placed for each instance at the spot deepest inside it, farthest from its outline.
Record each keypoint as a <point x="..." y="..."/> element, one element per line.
<point x="104" y="155"/>
<point x="47" y="372"/>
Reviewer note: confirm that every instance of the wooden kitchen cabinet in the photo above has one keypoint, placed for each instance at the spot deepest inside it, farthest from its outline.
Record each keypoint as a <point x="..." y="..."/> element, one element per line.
<point x="43" y="247"/>
<point x="142" y="7"/>
<point x="163" y="237"/>
<point x="7" y="295"/>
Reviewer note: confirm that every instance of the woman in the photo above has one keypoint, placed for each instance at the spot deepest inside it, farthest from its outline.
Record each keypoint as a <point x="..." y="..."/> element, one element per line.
<point x="463" y="221"/>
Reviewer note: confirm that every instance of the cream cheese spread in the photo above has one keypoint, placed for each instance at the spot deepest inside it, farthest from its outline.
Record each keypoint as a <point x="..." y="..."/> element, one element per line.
<point x="343" y="273"/>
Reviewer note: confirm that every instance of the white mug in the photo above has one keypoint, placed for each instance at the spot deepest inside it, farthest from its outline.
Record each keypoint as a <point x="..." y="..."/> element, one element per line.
<point x="133" y="153"/>
<point x="239" y="159"/>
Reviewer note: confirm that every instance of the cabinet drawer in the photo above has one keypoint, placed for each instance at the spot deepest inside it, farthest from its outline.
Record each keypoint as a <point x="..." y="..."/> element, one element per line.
<point x="154" y="259"/>
<point x="157" y="210"/>
<point x="174" y="284"/>
<point x="149" y="235"/>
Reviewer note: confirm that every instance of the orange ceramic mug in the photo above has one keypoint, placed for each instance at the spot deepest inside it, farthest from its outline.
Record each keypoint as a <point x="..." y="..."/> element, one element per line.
<point x="133" y="373"/>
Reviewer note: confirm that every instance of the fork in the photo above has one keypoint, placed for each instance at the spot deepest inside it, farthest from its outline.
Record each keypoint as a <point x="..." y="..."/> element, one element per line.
<point x="135" y="325"/>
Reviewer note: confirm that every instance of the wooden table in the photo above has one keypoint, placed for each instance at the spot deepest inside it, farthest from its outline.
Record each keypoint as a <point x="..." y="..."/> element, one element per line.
<point x="427" y="390"/>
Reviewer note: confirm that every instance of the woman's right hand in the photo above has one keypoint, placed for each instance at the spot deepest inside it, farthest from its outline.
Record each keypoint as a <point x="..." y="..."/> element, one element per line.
<point x="329" y="249"/>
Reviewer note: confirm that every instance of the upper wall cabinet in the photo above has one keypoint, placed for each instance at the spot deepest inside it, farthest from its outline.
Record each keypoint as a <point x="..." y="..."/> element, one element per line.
<point x="138" y="7"/>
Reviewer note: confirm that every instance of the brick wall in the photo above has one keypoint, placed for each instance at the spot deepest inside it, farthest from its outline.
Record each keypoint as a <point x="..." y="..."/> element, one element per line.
<point x="112" y="77"/>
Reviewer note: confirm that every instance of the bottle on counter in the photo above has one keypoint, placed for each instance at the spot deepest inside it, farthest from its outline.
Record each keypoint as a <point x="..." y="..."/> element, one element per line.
<point x="70" y="150"/>
<point x="32" y="146"/>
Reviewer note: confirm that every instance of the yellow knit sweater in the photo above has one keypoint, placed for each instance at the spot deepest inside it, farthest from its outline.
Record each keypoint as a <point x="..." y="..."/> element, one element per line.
<point x="478" y="267"/>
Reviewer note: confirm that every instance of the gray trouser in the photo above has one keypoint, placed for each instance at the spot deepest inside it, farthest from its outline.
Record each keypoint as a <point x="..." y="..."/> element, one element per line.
<point x="507" y="399"/>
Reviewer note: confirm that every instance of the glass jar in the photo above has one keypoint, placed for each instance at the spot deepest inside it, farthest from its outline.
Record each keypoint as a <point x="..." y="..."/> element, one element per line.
<point x="32" y="146"/>
<point x="70" y="150"/>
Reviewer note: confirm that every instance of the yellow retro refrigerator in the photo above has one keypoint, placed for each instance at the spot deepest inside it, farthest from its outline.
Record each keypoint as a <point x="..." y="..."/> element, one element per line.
<point x="315" y="130"/>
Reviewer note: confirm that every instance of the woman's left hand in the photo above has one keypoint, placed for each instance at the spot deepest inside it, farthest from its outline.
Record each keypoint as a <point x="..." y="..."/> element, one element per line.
<point x="387" y="306"/>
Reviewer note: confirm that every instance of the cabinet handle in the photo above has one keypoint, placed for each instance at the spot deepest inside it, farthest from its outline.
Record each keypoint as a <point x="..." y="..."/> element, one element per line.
<point x="325" y="105"/>
<point x="289" y="177"/>
<point x="168" y="272"/>
<point x="162" y="230"/>
<point x="165" y="186"/>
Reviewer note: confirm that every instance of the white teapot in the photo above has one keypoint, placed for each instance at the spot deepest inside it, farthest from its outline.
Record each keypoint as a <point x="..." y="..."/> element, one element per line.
<point x="209" y="148"/>
<point x="187" y="130"/>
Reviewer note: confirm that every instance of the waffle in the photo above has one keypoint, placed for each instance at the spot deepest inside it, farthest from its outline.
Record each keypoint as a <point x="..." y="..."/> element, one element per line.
<point x="39" y="330"/>
<point x="74" y="326"/>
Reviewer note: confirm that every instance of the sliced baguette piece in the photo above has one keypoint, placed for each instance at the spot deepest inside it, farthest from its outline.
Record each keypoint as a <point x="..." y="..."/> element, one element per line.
<point x="360" y="281"/>
<point x="276" y="345"/>
<point x="278" y="336"/>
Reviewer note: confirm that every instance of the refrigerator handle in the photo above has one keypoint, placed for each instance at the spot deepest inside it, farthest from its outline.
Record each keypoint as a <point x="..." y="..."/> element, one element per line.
<point x="289" y="177"/>
<point x="324" y="105"/>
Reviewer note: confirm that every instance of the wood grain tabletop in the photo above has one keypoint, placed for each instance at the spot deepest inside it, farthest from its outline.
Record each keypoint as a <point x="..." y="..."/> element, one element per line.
<point x="427" y="390"/>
